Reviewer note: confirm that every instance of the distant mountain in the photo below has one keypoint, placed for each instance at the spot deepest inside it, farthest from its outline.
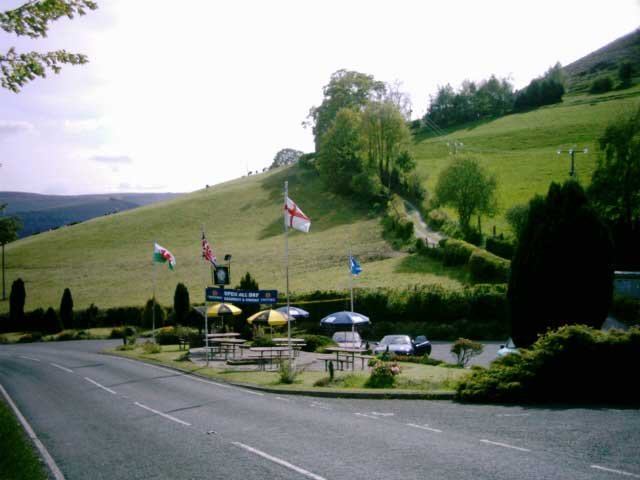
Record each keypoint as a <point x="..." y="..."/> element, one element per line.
<point x="39" y="213"/>
<point x="604" y="62"/>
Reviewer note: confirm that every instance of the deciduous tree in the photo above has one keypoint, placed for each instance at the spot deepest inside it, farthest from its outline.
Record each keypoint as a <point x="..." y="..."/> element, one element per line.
<point x="32" y="19"/>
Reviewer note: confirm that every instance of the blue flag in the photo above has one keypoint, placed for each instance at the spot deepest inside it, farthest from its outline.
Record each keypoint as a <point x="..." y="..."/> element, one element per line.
<point x="354" y="266"/>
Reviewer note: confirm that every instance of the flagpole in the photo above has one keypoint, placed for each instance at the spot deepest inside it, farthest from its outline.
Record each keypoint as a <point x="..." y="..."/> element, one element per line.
<point x="286" y="269"/>
<point x="153" y="309"/>
<point x="206" y="307"/>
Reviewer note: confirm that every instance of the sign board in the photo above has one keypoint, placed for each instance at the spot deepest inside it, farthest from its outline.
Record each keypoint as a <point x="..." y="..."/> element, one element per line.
<point x="221" y="276"/>
<point x="215" y="294"/>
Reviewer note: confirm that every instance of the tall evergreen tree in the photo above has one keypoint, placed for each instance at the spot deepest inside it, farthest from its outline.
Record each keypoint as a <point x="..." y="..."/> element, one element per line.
<point x="66" y="309"/>
<point x="17" y="298"/>
<point x="181" y="304"/>
<point x="562" y="271"/>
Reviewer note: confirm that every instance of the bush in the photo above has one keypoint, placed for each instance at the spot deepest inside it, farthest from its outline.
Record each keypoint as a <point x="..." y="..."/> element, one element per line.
<point x="65" y="335"/>
<point x="573" y="364"/>
<point x="487" y="267"/>
<point x="601" y="85"/>
<point x="626" y="309"/>
<point x="167" y="336"/>
<point x="383" y="375"/>
<point x="501" y="247"/>
<point x="316" y="343"/>
<point x="464" y="349"/>
<point x="150" y="347"/>
<point x="437" y="219"/>
<point x="457" y="252"/>
<point x="30" y="337"/>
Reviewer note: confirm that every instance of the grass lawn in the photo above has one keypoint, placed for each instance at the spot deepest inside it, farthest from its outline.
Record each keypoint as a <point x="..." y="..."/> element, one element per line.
<point x="414" y="377"/>
<point x="18" y="459"/>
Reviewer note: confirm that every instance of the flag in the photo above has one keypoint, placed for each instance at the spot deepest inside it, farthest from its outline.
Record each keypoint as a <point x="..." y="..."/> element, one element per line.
<point x="162" y="255"/>
<point x="294" y="218"/>
<point x="354" y="266"/>
<point x="207" y="253"/>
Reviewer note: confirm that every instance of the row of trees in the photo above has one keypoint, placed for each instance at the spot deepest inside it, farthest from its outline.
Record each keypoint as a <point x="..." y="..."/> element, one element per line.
<point x="493" y="98"/>
<point x="362" y="138"/>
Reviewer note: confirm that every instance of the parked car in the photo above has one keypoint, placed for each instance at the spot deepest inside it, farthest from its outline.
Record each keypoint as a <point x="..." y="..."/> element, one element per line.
<point x="507" y="348"/>
<point x="403" y="345"/>
<point x="348" y="339"/>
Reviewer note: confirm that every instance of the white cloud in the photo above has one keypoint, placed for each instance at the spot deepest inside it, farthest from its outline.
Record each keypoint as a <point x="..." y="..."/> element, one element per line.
<point x="112" y="159"/>
<point x="10" y="128"/>
<point x="85" y="125"/>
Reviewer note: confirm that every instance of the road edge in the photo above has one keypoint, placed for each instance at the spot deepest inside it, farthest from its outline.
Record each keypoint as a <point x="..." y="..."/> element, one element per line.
<point x="46" y="457"/>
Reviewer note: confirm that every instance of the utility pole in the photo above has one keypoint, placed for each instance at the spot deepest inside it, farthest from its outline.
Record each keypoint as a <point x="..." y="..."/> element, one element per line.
<point x="573" y="152"/>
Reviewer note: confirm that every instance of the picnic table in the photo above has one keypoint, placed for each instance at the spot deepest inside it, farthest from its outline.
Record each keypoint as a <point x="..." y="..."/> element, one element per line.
<point x="347" y="356"/>
<point x="268" y="354"/>
<point x="224" y="346"/>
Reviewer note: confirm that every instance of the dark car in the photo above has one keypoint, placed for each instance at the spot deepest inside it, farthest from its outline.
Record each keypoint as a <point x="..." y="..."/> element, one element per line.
<point x="403" y="345"/>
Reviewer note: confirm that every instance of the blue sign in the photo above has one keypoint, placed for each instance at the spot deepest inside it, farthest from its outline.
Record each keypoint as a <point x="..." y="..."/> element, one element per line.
<point x="216" y="294"/>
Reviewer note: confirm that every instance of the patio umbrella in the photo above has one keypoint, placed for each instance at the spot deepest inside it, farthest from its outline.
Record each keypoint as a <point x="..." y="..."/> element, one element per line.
<point x="220" y="309"/>
<point x="345" y="319"/>
<point x="272" y="318"/>
<point x="295" y="312"/>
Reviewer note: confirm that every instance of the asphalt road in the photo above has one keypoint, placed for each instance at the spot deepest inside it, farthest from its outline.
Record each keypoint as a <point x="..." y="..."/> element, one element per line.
<point x="106" y="417"/>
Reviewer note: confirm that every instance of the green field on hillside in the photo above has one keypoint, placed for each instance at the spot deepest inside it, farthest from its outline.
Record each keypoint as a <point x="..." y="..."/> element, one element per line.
<point x="521" y="148"/>
<point x="107" y="260"/>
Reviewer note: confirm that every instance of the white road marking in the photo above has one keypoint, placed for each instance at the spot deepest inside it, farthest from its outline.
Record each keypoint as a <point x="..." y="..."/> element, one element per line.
<point x="29" y="358"/>
<point x="513" y="415"/>
<point x="424" y="427"/>
<point x="61" y="367"/>
<point x="48" y="459"/>
<point x="169" y="417"/>
<point x="365" y="415"/>
<point x="378" y="414"/>
<point x="283" y="399"/>
<point x="620" y="472"/>
<point x="505" y="445"/>
<point x="279" y="461"/>
<point x="100" y="386"/>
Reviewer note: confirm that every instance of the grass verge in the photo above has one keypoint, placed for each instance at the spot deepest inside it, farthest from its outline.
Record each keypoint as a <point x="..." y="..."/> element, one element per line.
<point x="18" y="459"/>
<point x="414" y="378"/>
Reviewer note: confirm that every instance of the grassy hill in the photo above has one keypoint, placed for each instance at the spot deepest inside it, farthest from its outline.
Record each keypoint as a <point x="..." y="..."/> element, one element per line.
<point x="107" y="260"/>
<point x="521" y="149"/>
<point x="39" y="213"/>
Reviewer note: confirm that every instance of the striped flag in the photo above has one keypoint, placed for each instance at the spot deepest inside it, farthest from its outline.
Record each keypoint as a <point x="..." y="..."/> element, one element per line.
<point x="207" y="253"/>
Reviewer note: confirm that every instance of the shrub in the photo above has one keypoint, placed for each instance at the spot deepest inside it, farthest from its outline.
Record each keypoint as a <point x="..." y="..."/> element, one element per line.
<point x="167" y="336"/>
<point x="316" y="343"/>
<point x="501" y="247"/>
<point x="437" y="219"/>
<point x="571" y="364"/>
<point x="287" y="372"/>
<point x="456" y="252"/>
<point x="150" y="347"/>
<point x="626" y="309"/>
<point x="464" y="349"/>
<point x="30" y="337"/>
<point x="601" y="85"/>
<point x="487" y="267"/>
<point x="383" y="375"/>
<point x="65" y="335"/>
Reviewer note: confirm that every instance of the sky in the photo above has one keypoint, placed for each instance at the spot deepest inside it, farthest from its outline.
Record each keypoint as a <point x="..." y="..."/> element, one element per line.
<point x="181" y="94"/>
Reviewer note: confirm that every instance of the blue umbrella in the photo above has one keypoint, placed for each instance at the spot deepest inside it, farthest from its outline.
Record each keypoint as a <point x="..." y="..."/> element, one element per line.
<point x="344" y="319"/>
<point x="295" y="312"/>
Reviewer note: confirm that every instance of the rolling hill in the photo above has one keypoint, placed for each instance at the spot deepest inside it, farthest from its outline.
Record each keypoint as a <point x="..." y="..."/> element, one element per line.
<point x="39" y="213"/>
<point x="107" y="260"/>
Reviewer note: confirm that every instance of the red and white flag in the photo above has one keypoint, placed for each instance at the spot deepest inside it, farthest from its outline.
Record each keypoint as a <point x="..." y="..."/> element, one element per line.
<point x="207" y="253"/>
<point x="295" y="218"/>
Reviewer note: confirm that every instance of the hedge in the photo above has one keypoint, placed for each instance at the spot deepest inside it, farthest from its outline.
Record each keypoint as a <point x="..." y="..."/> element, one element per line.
<point x="486" y="267"/>
<point x="456" y="252"/>
<point x="573" y="364"/>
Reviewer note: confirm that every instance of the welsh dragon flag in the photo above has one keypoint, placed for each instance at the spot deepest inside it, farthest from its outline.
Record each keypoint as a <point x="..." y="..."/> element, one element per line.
<point x="162" y="255"/>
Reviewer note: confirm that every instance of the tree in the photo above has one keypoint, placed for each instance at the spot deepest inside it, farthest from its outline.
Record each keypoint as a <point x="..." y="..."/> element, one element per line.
<point x="8" y="233"/>
<point x="181" y="304"/>
<point x="516" y="217"/>
<point x="562" y="270"/>
<point x="286" y="156"/>
<point x="468" y="188"/>
<point x="464" y="350"/>
<point x="66" y="309"/>
<point x="615" y="186"/>
<point x="32" y="20"/>
<point x="51" y="321"/>
<point x="17" y="298"/>
<point x="346" y="89"/>
<point x="239" y="324"/>
<point x="625" y="74"/>
<point x="340" y="157"/>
